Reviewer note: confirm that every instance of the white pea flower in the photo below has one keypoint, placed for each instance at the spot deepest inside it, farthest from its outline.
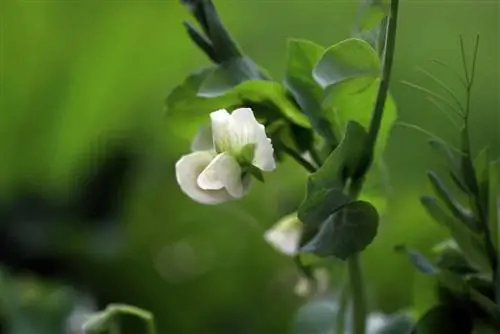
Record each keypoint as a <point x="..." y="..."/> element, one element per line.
<point x="284" y="236"/>
<point x="217" y="170"/>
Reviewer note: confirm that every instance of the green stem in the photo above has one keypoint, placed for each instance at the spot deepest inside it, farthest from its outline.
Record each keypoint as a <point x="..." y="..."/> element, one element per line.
<point x="476" y="198"/>
<point x="298" y="158"/>
<point x="355" y="272"/>
<point x="358" y="295"/>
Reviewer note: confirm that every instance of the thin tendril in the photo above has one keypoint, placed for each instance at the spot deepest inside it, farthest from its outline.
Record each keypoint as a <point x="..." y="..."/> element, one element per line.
<point x="430" y="134"/>
<point x="444" y="86"/>
<point x="474" y="58"/>
<point x="457" y="74"/>
<point x="435" y="95"/>
<point x="464" y="61"/>
<point x="444" y="111"/>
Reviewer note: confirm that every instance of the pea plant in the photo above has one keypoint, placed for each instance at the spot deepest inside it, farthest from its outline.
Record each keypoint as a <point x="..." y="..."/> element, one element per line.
<point x="466" y="203"/>
<point x="332" y="114"/>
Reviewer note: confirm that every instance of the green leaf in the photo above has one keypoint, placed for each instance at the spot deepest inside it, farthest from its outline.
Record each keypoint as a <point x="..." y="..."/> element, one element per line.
<point x="205" y="13"/>
<point x="373" y="12"/>
<point x="451" y="258"/>
<point x="266" y="93"/>
<point x="481" y="167"/>
<point x="418" y="260"/>
<point x="301" y="57"/>
<point x="325" y="187"/>
<point x="468" y="241"/>
<point x="352" y="62"/>
<point x="228" y="75"/>
<point x="201" y="41"/>
<point x="188" y="112"/>
<point x="346" y="232"/>
<point x="185" y="110"/>
<point x="453" y="159"/>
<point x="468" y="172"/>
<point x="455" y="208"/>
<point x="359" y="107"/>
<point x="444" y="318"/>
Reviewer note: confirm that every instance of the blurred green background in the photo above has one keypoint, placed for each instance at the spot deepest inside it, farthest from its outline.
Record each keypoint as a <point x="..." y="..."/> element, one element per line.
<point x="78" y="74"/>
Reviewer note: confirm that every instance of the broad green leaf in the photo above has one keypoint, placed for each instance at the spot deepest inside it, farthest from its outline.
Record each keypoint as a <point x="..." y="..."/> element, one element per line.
<point x="452" y="204"/>
<point x="468" y="241"/>
<point x="325" y="187"/>
<point x="188" y="111"/>
<point x="359" y="107"/>
<point x="319" y="205"/>
<point x="269" y="94"/>
<point x="228" y="75"/>
<point x="418" y="260"/>
<point x="301" y="57"/>
<point x="352" y="63"/>
<point x="346" y="232"/>
<point x="185" y="110"/>
<point x="444" y="318"/>
<point x="373" y="12"/>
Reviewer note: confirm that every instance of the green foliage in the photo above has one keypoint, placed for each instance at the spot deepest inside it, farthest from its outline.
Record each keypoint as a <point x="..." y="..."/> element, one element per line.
<point x="338" y="225"/>
<point x="217" y="43"/>
<point x="358" y="107"/>
<point x="373" y="12"/>
<point x="352" y="63"/>
<point x="418" y="260"/>
<point x="188" y="110"/>
<point x="468" y="266"/>
<point x="346" y="231"/>
<point x="227" y="76"/>
<point x="302" y="56"/>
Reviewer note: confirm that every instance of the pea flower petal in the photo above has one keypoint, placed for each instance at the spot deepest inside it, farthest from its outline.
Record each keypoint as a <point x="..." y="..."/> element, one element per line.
<point x="188" y="169"/>
<point x="284" y="236"/>
<point x="232" y="132"/>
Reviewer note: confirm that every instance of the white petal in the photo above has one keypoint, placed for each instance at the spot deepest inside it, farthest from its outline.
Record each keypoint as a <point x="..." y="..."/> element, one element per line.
<point x="223" y="172"/>
<point x="264" y="153"/>
<point x="203" y="140"/>
<point x="285" y="234"/>
<point x="251" y="131"/>
<point x="187" y="170"/>
<point x="220" y="123"/>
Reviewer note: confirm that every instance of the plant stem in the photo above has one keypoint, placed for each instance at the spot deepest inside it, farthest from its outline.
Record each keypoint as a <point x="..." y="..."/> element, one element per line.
<point x="355" y="272"/>
<point x="358" y="295"/>
<point x="476" y="202"/>
<point x="297" y="157"/>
